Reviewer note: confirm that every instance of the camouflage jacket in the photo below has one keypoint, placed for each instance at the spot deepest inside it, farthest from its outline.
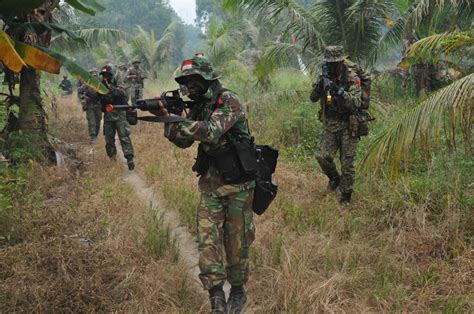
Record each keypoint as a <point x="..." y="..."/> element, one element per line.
<point x="88" y="96"/>
<point x="212" y="121"/>
<point x="335" y="115"/>
<point x="135" y="77"/>
<point x="116" y="96"/>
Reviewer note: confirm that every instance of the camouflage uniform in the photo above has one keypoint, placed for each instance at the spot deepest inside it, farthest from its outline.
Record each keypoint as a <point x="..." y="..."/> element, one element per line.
<point x="334" y="114"/>
<point x="116" y="122"/>
<point x="224" y="215"/>
<point x="92" y="107"/>
<point x="135" y="78"/>
<point x="122" y="80"/>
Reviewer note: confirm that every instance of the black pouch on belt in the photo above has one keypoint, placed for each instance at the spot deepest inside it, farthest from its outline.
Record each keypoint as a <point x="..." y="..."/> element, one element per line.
<point x="227" y="163"/>
<point x="248" y="159"/>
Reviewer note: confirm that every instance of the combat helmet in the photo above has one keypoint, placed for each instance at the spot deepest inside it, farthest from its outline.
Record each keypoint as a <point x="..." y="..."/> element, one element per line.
<point x="198" y="65"/>
<point x="334" y="54"/>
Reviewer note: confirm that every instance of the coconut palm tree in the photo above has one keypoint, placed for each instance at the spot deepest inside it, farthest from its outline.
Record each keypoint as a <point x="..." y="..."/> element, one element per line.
<point x="443" y="116"/>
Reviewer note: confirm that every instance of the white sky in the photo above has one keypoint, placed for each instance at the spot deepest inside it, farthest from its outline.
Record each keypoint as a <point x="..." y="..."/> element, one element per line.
<point x="186" y="9"/>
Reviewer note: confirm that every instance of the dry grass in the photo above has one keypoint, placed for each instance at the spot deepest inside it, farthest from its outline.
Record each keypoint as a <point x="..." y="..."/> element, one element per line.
<point x="85" y="246"/>
<point x="384" y="254"/>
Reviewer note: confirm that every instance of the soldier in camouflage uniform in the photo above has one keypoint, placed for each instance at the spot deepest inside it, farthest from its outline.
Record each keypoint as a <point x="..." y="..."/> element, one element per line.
<point x="91" y="105"/>
<point x="338" y="102"/>
<point x="224" y="215"/>
<point x="122" y="80"/>
<point x="135" y="78"/>
<point x="115" y="121"/>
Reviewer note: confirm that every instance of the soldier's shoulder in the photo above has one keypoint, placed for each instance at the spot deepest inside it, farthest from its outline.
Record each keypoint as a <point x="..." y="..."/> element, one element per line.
<point x="228" y="94"/>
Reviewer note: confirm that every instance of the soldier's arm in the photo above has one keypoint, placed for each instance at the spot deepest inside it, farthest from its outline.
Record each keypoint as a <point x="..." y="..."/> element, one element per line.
<point x="317" y="91"/>
<point x="229" y="110"/>
<point x="171" y="133"/>
<point x="352" y="97"/>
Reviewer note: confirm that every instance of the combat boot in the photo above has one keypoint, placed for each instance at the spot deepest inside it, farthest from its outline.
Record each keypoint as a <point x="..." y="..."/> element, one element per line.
<point x="333" y="183"/>
<point x="130" y="163"/>
<point x="217" y="298"/>
<point x="345" y="199"/>
<point x="237" y="299"/>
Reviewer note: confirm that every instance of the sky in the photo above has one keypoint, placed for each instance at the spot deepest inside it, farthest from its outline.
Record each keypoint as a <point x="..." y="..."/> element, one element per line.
<point x="186" y="9"/>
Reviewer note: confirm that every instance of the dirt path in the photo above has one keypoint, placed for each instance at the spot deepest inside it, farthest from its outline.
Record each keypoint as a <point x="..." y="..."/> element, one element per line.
<point x="187" y="246"/>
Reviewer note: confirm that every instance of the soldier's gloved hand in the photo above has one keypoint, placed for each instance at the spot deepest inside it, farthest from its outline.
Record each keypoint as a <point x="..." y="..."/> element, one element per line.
<point x="162" y="111"/>
<point x="333" y="88"/>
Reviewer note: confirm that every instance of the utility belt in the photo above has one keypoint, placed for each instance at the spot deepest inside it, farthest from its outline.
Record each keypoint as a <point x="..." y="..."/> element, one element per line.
<point x="236" y="162"/>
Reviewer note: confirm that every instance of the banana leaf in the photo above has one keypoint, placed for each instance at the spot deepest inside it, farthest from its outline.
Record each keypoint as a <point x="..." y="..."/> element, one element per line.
<point x="8" y="54"/>
<point x="37" y="59"/>
<point x="94" y="5"/>
<point x="42" y="27"/>
<point x="78" y="5"/>
<point x="78" y="72"/>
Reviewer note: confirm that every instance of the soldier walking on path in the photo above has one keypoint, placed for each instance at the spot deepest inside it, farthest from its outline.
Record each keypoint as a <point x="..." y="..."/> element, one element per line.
<point x="115" y="121"/>
<point x="91" y="105"/>
<point x="218" y="121"/>
<point x="339" y="92"/>
<point x="135" y="78"/>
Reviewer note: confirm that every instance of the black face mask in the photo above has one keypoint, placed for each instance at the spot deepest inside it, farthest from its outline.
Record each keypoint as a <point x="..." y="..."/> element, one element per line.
<point x="197" y="87"/>
<point x="333" y="67"/>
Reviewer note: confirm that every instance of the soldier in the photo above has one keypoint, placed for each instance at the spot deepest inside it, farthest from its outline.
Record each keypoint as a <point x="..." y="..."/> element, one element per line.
<point x="91" y="105"/>
<point x="340" y="97"/>
<point x="218" y="121"/>
<point x="135" y="78"/>
<point x="66" y="85"/>
<point x="115" y="121"/>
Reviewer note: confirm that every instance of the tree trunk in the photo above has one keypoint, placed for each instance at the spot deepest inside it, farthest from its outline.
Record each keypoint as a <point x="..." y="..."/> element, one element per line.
<point x="32" y="117"/>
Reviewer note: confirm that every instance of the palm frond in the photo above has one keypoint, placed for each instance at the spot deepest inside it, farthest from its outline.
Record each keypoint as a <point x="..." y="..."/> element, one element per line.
<point x="449" y="110"/>
<point x="433" y="48"/>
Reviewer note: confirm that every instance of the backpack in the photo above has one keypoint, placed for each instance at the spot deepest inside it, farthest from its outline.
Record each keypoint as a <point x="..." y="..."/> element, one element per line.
<point x="365" y="83"/>
<point x="359" y="121"/>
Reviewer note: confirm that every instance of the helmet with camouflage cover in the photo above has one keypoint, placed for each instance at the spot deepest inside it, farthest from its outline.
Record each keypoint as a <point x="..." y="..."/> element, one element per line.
<point x="334" y="54"/>
<point x="198" y="65"/>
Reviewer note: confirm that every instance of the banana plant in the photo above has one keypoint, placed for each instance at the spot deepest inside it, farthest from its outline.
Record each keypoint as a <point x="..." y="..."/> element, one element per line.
<point x="24" y="39"/>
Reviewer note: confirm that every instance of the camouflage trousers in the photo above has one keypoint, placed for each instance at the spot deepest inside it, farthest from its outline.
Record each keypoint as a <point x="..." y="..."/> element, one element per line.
<point x="122" y="128"/>
<point x="329" y="144"/>
<point x="136" y="93"/>
<point x="94" y="116"/>
<point x="225" y="229"/>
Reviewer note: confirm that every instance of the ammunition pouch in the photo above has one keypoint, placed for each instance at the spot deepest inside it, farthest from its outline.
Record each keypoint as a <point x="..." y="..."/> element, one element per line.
<point x="201" y="165"/>
<point x="236" y="162"/>
<point x="359" y="123"/>
<point x="132" y="117"/>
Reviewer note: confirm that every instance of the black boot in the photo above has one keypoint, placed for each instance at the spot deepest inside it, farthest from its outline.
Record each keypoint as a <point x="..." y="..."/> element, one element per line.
<point x="333" y="183"/>
<point x="345" y="199"/>
<point x="130" y="163"/>
<point x="237" y="299"/>
<point x="217" y="298"/>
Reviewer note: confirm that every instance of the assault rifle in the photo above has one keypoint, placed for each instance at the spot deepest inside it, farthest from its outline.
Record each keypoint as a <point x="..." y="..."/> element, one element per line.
<point x="330" y="89"/>
<point x="171" y="100"/>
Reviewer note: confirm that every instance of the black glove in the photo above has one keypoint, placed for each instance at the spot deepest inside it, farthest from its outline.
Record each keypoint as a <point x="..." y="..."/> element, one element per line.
<point x="336" y="91"/>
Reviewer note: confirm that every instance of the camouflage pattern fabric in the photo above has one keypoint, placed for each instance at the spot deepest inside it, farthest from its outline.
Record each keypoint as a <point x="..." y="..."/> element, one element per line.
<point x="336" y="134"/>
<point x="91" y="105"/>
<point x="94" y="116"/>
<point x="198" y="65"/>
<point x="135" y="78"/>
<point x="334" y="54"/>
<point x="224" y="214"/>
<point x="123" y="82"/>
<point x="225" y="228"/>
<point x="116" y="122"/>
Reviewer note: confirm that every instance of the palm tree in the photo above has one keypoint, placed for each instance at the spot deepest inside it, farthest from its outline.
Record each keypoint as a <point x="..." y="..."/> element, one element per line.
<point x="443" y="115"/>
